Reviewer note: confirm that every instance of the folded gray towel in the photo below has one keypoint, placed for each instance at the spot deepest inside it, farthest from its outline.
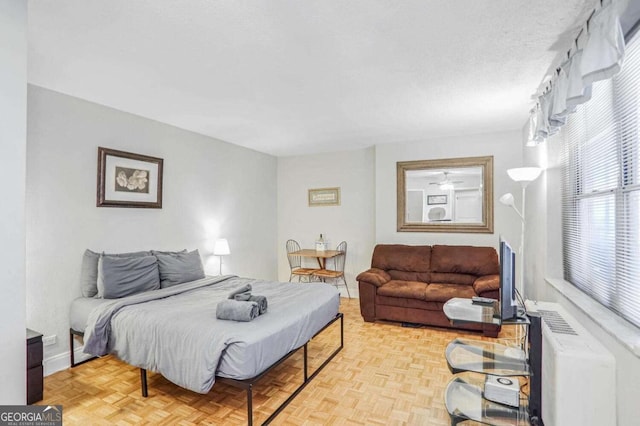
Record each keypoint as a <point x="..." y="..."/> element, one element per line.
<point x="260" y="300"/>
<point x="243" y="296"/>
<point x="244" y="289"/>
<point x="236" y="310"/>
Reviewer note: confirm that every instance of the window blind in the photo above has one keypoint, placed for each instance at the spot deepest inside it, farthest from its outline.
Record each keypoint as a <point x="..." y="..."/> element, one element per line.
<point x="601" y="191"/>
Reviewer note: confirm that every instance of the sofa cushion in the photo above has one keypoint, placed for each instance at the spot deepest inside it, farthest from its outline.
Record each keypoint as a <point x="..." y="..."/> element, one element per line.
<point x="447" y="278"/>
<point x="407" y="289"/>
<point x="465" y="260"/>
<point x="439" y="292"/>
<point x="487" y="283"/>
<point x="400" y="257"/>
<point x="424" y="277"/>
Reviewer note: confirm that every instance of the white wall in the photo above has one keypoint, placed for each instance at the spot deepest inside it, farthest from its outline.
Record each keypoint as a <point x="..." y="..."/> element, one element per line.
<point x="544" y="260"/>
<point x="13" y="140"/>
<point x="351" y="221"/>
<point x="367" y="215"/>
<point x="211" y="189"/>
<point x="506" y="151"/>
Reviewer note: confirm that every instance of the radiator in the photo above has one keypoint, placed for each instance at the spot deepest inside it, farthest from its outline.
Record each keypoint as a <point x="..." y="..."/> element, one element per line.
<point x="578" y="372"/>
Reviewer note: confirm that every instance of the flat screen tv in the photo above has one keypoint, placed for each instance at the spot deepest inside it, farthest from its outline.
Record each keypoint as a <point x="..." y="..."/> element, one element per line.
<point x="508" y="300"/>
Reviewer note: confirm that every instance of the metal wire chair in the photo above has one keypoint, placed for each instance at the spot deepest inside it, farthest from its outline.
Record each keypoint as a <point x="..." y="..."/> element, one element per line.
<point x="295" y="263"/>
<point x="337" y="273"/>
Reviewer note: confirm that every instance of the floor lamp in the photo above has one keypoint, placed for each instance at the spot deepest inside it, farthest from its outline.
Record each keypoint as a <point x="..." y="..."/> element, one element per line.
<point x="221" y="248"/>
<point x="523" y="175"/>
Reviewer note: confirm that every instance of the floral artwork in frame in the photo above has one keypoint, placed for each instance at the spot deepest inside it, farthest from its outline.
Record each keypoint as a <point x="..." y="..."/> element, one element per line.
<point x="126" y="179"/>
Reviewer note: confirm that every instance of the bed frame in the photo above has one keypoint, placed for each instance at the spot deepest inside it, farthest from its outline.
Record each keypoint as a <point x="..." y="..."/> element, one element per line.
<point x="247" y="384"/>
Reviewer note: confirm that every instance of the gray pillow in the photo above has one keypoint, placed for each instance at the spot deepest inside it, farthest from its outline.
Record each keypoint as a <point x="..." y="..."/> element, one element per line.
<point x="89" y="273"/>
<point x="178" y="268"/>
<point x="123" y="276"/>
<point x="89" y="270"/>
<point x="154" y="252"/>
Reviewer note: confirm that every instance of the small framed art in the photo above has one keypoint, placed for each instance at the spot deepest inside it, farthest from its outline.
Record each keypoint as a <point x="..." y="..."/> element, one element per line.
<point x="436" y="199"/>
<point x="324" y="197"/>
<point x="126" y="179"/>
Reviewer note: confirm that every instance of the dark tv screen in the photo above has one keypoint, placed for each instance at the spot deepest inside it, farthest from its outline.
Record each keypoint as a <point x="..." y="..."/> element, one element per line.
<point x="508" y="301"/>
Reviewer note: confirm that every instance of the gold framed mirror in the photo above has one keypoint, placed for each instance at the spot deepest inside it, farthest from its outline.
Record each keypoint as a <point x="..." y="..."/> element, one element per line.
<point x="446" y="195"/>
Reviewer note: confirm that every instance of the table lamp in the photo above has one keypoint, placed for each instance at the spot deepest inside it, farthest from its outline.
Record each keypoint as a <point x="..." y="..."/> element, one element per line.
<point x="221" y="248"/>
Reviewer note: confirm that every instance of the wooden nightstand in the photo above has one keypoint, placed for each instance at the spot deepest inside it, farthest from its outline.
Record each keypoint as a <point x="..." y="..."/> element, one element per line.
<point x="35" y="382"/>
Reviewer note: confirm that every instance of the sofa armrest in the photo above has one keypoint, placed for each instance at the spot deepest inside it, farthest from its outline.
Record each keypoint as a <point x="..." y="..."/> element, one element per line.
<point x="367" y="296"/>
<point x="486" y="283"/>
<point x="374" y="276"/>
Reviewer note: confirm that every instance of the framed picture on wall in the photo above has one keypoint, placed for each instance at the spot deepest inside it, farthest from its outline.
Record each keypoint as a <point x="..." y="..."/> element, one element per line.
<point x="324" y="197"/>
<point x="126" y="179"/>
<point x="436" y="199"/>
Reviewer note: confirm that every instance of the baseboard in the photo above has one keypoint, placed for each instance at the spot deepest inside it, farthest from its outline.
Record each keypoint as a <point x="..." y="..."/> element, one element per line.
<point x="62" y="362"/>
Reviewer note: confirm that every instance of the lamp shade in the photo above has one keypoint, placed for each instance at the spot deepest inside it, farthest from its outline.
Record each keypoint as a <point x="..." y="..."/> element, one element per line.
<point x="507" y="199"/>
<point x="221" y="247"/>
<point x="524" y="174"/>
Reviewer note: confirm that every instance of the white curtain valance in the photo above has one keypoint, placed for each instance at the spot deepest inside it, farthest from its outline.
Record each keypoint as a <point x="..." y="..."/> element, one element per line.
<point x="596" y="54"/>
<point x="604" y="50"/>
<point x="577" y="92"/>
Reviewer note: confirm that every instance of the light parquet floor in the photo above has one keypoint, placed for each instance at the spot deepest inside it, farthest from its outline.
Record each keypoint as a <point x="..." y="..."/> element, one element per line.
<point x="385" y="375"/>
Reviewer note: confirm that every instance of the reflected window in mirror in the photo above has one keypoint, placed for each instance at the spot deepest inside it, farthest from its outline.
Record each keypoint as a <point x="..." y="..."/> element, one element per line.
<point x="447" y="195"/>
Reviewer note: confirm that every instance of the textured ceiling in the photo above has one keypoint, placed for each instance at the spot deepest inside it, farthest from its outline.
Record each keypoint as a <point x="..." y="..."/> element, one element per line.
<point x="291" y="77"/>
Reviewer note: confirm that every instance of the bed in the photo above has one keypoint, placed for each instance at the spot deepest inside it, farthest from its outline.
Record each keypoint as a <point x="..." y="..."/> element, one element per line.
<point x="174" y="331"/>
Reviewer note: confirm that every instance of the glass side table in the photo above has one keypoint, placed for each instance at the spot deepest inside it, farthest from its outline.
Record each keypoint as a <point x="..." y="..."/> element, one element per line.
<point x="463" y="400"/>
<point x="486" y="358"/>
<point x="472" y="360"/>
<point x="464" y="311"/>
<point x="460" y="310"/>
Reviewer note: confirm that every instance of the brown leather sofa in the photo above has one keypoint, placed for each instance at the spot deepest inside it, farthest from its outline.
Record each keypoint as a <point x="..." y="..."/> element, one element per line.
<point x="412" y="283"/>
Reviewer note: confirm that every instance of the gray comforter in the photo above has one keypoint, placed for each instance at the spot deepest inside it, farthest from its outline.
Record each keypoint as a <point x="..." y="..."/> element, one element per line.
<point x="174" y="331"/>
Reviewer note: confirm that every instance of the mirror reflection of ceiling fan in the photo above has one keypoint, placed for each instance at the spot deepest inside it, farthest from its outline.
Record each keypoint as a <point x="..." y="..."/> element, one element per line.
<point x="446" y="183"/>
